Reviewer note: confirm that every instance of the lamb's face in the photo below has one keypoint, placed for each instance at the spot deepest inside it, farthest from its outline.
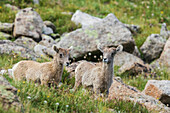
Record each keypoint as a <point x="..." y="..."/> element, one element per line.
<point x="63" y="55"/>
<point x="109" y="53"/>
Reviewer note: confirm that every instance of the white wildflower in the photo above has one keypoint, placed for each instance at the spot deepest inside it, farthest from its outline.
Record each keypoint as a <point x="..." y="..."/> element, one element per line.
<point x="28" y="97"/>
<point x="45" y="101"/>
<point x="67" y="106"/>
<point x="57" y="103"/>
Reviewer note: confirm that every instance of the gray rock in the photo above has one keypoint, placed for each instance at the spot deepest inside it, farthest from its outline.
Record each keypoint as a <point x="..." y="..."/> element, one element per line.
<point x="36" y="2"/>
<point x="108" y="32"/>
<point x="47" y="30"/>
<point x="8" y="95"/>
<point x="67" y="13"/>
<point x="47" y="41"/>
<point x="133" y="28"/>
<point x="136" y="52"/>
<point x="5" y="36"/>
<point x="165" y="56"/>
<point x="84" y="19"/>
<point x="159" y="89"/>
<point x="152" y="47"/>
<point x="164" y="31"/>
<point x="6" y="27"/>
<point x="8" y="47"/>
<point x="28" y="23"/>
<point x="50" y="24"/>
<point x="43" y="51"/>
<point x="12" y="7"/>
<point x="26" y="42"/>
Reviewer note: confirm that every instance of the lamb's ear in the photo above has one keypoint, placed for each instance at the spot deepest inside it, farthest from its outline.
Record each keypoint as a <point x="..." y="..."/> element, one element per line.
<point x="99" y="47"/>
<point x="70" y="48"/>
<point x="55" y="48"/>
<point x="119" y="48"/>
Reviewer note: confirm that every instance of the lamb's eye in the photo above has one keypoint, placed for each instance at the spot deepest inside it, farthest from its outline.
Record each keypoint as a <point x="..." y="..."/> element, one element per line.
<point x="61" y="55"/>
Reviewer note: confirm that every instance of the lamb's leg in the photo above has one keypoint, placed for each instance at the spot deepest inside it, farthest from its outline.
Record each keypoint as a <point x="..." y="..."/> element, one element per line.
<point x="78" y="81"/>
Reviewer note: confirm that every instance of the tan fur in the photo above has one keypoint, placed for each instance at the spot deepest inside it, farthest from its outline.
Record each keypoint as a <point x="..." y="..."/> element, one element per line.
<point x="98" y="76"/>
<point x="45" y="73"/>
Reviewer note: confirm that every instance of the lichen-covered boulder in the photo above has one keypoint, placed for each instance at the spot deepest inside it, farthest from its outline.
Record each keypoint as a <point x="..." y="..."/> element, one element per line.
<point x="159" y="89"/>
<point x="6" y="27"/>
<point x="47" y="41"/>
<point x="8" y="95"/>
<point x="109" y="32"/>
<point x="152" y="47"/>
<point x="28" y="23"/>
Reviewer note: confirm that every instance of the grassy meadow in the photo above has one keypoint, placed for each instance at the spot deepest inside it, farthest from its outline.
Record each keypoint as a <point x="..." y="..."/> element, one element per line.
<point x="148" y="14"/>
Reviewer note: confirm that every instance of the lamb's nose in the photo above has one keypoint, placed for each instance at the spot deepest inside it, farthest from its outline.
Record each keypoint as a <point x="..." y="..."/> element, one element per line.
<point x="105" y="60"/>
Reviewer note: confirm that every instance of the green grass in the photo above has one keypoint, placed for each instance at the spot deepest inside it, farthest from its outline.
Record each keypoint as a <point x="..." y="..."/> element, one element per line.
<point x="79" y="101"/>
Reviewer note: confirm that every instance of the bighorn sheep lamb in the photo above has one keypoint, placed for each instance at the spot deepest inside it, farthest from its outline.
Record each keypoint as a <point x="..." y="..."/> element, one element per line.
<point x="97" y="76"/>
<point x="45" y="73"/>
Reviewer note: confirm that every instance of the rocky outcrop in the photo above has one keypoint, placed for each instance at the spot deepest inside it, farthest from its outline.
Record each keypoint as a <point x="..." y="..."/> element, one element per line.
<point x="6" y="27"/>
<point x="159" y="89"/>
<point x="26" y="42"/>
<point x="108" y="32"/>
<point x="47" y="41"/>
<point x="121" y="91"/>
<point x="28" y="23"/>
<point x="8" y="47"/>
<point x="8" y="95"/>
<point x="152" y="47"/>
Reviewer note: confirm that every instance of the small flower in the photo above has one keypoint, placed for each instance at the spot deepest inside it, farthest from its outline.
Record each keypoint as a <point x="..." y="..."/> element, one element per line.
<point x="67" y="106"/>
<point x="19" y="90"/>
<point x="45" y="101"/>
<point x="0" y="7"/>
<point x="48" y="96"/>
<point x="152" y="14"/>
<point x="28" y="97"/>
<point x="89" y="53"/>
<point x="23" y="82"/>
<point x="162" y="12"/>
<point x="57" y="103"/>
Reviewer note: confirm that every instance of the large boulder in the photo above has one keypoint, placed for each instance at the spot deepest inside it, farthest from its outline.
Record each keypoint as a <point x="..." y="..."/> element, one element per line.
<point x="8" y="95"/>
<point x="109" y="32"/>
<point x="26" y="42"/>
<point x="28" y="23"/>
<point x="6" y="27"/>
<point x="159" y="89"/>
<point x="8" y="47"/>
<point x="84" y="19"/>
<point x="152" y="47"/>
<point x="164" y="31"/>
<point x="121" y="91"/>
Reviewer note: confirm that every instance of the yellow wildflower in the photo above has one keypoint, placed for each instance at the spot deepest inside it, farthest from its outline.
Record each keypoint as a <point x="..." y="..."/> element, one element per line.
<point x="18" y="90"/>
<point x="162" y="12"/>
<point x="48" y="96"/>
<point x="0" y="7"/>
<point x="23" y="82"/>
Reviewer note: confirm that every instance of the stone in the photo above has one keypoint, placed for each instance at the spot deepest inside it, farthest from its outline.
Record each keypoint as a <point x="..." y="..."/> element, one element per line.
<point x="47" y="41"/>
<point x="26" y="42"/>
<point x="47" y="30"/>
<point x="28" y="23"/>
<point x="36" y="2"/>
<point x="6" y="27"/>
<point x="8" y="95"/>
<point x="165" y="56"/>
<point x="5" y="36"/>
<point x="164" y="31"/>
<point x="152" y="47"/>
<point x="121" y="91"/>
<point x="84" y="19"/>
<point x="43" y="51"/>
<point x="133" y="28"/>
<point x="67" y="13"/>
<point x="135" y="68"/>
<point x="12" y="7"/>
<point x="159" y="89"/>
<point x="136" y="52"/>
<point x="8" y="47"/>
<point x="108" y="32"/>
<point x="50" y="25"/>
